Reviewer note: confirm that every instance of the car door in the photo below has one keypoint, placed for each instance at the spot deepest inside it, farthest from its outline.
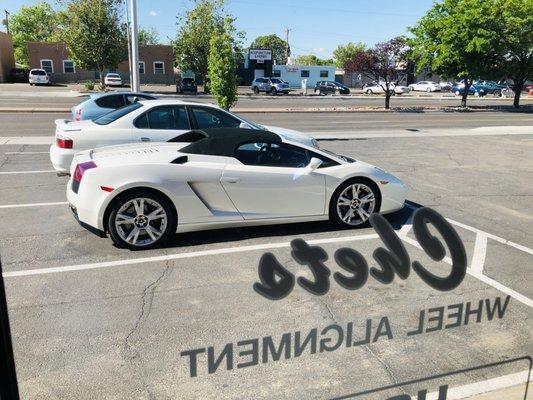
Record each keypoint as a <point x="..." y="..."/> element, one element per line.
<point x="161" y="123"/>
<point x="271" y="181"/>
<point x="210" y="117"/>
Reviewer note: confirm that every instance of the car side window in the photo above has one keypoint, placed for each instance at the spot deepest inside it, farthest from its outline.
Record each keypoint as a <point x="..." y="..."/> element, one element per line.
<point x="326" y="161"/>
<point x="212" y="118"/>
<point x="165" y="117"/>
<point x="113" y="101"/>
<point x="272" y="155"/>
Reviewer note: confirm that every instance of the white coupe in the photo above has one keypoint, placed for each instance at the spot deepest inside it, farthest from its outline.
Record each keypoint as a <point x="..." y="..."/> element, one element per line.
<point x="147" y="121"/>
<point x="141" y="194"/>
<point x="425" y="86"/>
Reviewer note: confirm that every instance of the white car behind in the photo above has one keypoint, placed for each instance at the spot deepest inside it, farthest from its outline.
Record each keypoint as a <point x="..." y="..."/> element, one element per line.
<point x="147" y="121"/>
<point x="425" y="86"/>
<point x="113" y="79"/>
<point x="374" y="88"/>
<point x="39" y="77"/>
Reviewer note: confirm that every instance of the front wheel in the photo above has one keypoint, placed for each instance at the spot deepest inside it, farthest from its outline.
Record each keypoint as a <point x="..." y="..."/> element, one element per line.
<point x="141" y="220"/>
<point x="256" y="90"/>
<point x="272" y="91"/>
<point x="353" y="202"/>
<point x="369" y="91"/>
<point x="428" y="90"/>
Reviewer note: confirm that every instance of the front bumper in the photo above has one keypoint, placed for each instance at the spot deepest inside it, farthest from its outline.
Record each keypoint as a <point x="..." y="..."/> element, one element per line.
<point x="61" y="158"/>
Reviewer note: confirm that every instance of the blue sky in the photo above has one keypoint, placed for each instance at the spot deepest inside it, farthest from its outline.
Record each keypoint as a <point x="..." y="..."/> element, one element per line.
<point x="317" y="26"/>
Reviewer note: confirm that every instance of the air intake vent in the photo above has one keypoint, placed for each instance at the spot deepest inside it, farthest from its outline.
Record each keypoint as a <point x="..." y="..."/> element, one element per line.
<point x="180" y="160"/>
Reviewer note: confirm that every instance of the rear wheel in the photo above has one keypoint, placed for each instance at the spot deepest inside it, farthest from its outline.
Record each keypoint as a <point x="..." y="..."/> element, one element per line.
<point x="272" y="91"/>
<point x="317" y="92"/>
<point x="141" y="220"/>
<point x="353" y="202"/>
<point x="369" y="91"/>
<point x="428" y="90"/>
<point x="256" y="90"/>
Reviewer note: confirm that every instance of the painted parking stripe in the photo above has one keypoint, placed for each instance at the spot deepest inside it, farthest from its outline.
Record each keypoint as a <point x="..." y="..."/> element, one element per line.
<point x="44" y="171"/>
<point x="180" y="256"/>
<point x="13" y="153"/>
<point x="57" y="203"/>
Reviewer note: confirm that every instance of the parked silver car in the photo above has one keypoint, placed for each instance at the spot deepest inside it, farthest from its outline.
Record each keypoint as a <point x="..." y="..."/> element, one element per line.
<point x="270" y="85"/>
<point x="99" y="104"/>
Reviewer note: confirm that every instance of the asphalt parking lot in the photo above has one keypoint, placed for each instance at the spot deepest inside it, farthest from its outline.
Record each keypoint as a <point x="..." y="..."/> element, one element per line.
<point x="92" y="321"/>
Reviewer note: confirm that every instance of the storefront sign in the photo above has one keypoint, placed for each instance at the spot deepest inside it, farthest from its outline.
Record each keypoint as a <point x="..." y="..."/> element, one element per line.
<point x="261" y="54"/>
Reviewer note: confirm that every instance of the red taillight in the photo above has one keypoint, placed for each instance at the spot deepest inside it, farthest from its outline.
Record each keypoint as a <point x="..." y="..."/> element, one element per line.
<point x="80" y="170"/>
<point x="63" y="142"/>
<point x="77" y="114"/>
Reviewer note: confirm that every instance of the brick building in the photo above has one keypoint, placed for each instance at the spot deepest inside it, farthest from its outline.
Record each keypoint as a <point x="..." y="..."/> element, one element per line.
<point x="156" y="64"/>
<point x="7" y="59"/>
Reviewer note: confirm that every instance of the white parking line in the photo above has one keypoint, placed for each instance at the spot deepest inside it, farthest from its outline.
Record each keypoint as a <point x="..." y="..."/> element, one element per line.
<point x="57" y="203"/>
<point x="46" y="171"/>
<point x="13" y="153"/>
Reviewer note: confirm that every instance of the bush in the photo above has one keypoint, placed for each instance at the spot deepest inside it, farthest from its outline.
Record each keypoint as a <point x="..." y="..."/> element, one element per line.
<point x="89" y="85"/>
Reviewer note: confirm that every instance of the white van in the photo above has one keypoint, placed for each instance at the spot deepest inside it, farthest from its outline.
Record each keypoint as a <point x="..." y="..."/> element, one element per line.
<point x="39" y="77"/>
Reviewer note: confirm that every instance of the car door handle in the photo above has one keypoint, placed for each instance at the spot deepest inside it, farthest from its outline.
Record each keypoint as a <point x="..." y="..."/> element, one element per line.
<point x="228" y="179"/>
<point x="145" y="139"/>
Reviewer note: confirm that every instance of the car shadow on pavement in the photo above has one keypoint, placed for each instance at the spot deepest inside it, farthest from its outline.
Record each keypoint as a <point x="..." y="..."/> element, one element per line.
<point x="397" y="220"/>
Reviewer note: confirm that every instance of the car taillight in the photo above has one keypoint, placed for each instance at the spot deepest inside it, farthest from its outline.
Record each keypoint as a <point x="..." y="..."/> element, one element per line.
<point x="78" y="174"/>
<point x="64" y="142"/>
<point x="77" y="115"/>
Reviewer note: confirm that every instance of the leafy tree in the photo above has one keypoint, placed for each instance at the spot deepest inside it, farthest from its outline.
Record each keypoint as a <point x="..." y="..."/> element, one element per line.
<point x="380" y="64"/>
<point x="94" y="34"/>
<point x="311" y="59"/>
<point x="274" y="42"/>
<point x="516" y="34"/>
<point x="148" y="36"/>
<point x="345" y="52"/>
<point x="221" y="60"/>
<point x="38" y="23"/>
<point x="195" y="29"/>
<point x="458" y="38"/>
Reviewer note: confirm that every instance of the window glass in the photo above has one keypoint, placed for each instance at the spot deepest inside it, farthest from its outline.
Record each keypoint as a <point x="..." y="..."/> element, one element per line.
<point x="305" y="73"/>
<point x="166" y="117"/>
<point x="68" y="66"/>
<point x="141" y="67"/>
<point x="114" y="115"/>
<point x="272" y="155"/>
<point x="38" y="72"/>
<point x="133" y="98"/>
<point x="112" y="101"/>
<point x="212" y="118"/>
<point x="275" y="80"/>
<point x="159" y="67"/>
<point x="276" y="74"/>
<point x="47" y="66"/>
<point x="324" y="74"/>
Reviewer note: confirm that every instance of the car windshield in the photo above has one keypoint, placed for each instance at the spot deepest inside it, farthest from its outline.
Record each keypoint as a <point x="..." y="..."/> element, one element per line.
<point x="116" y="114"/>
<point x="113" y="75"/>
<point x="38" y="72"/>
<point x="254" y="125"/>
<point x="275" y="80"/>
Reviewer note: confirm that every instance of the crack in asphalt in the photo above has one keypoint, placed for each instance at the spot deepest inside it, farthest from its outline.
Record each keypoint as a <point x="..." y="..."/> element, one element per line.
<point x="384" y="364"/>
<point x="131" y="354"/>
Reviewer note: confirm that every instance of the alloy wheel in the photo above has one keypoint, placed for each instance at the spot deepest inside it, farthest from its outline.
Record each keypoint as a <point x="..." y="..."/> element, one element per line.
<point x="355" y="204"/>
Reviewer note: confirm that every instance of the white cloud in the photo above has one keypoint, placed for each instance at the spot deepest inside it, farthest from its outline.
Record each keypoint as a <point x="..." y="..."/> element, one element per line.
<point x="152" y="13"/>
<point x="319" y="50"/>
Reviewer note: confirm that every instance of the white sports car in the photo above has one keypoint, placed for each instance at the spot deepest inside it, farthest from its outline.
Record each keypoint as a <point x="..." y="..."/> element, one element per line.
<point x="141" y="194"/>
<point x="147" y="121"/>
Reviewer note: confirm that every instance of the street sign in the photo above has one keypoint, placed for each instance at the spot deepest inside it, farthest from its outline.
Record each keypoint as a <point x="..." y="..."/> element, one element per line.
<point x="260" y="54"/>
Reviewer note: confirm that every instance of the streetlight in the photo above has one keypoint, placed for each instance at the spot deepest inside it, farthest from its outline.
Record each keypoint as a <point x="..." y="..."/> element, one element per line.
<point x="134" y="48"/>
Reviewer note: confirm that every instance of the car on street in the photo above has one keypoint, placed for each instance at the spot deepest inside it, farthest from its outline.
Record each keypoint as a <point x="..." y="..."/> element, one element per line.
<point x="147" y="121"/>
<point x="186" y="85"/>
<point x="18" y="75"/>
<point x="113" y="79"/>
<point x="272" y="86"/>
<point x="99" y="104"/>
<point x="475" y="90"/>
<point x="39" y="77"/>
<point x="376" y="88"/>
<point x="529" y="89"/>
<point x="425" y="86"/>
<point x="330" y="87"/>
<point x="445" y="86"/>
<point x="143" y="194"/>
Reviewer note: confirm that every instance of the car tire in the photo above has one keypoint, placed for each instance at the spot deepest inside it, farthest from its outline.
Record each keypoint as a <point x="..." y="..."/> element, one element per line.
<point x="344" y="194"/>
<point x="457" y="93"/>
<point x="256" y="90"/>
<point x="163" y="225"/>
<point x="428" y="90"/>
<point x="369" y="91"/>
<point x="337" y="92"/>
<point x="411" y="88"/>
<point x="476" y="94"/>
<point x="317" y="92"/>
<point x="272" y="91"/>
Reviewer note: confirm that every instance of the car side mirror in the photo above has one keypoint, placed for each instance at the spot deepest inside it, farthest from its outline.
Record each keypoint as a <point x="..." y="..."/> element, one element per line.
<point x="313" y="164"/>
<point x="244" y="125"/>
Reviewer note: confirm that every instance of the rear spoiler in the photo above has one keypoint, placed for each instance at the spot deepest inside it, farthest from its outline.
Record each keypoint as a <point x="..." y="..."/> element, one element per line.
<point x="62" y="125"/>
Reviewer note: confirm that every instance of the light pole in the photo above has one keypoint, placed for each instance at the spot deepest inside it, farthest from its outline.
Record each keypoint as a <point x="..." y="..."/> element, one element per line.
<point x="134" y="48"/>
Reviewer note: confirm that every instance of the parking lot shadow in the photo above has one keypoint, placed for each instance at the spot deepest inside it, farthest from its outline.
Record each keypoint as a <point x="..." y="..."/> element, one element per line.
<point x="397" y="220"/>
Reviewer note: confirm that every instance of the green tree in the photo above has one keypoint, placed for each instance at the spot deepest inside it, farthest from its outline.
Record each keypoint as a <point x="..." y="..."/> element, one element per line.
<point x="38" y="23"/>
<point x="274" y="42"/>
<point x="345" y="52"/>
<point x="458" y="38"/>
<point x="94" y="34"/>
<point x="221" y="60"/>
<point x="311" y="59"/>
<point x="516" y="60"/>
<point x="148" y="36"/>
<point x="195" y="29"/>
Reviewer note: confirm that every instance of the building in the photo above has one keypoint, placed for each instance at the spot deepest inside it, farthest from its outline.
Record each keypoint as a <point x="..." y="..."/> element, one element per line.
<point x="7" y="58"/>
<point x="156" y="64"/>
<point x="294" y="74"/>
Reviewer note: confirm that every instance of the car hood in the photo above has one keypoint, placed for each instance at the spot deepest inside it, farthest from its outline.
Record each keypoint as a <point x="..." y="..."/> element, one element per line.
<point x="292" y="135"/>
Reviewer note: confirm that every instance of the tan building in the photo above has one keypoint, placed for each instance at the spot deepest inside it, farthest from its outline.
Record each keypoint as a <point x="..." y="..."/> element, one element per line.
<point x="7" y="58"/>
<point x="156" y="64"/>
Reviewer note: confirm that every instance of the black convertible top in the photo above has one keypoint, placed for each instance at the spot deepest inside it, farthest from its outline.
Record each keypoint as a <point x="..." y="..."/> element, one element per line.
<point x="224" y="141"/>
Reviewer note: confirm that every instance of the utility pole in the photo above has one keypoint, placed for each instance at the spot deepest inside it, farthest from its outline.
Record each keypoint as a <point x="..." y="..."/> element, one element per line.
<point x="128" y="25"/>
<point x="7" y="21"/>
<point x="287" y="48"/>
<point x="135" y="87"/>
